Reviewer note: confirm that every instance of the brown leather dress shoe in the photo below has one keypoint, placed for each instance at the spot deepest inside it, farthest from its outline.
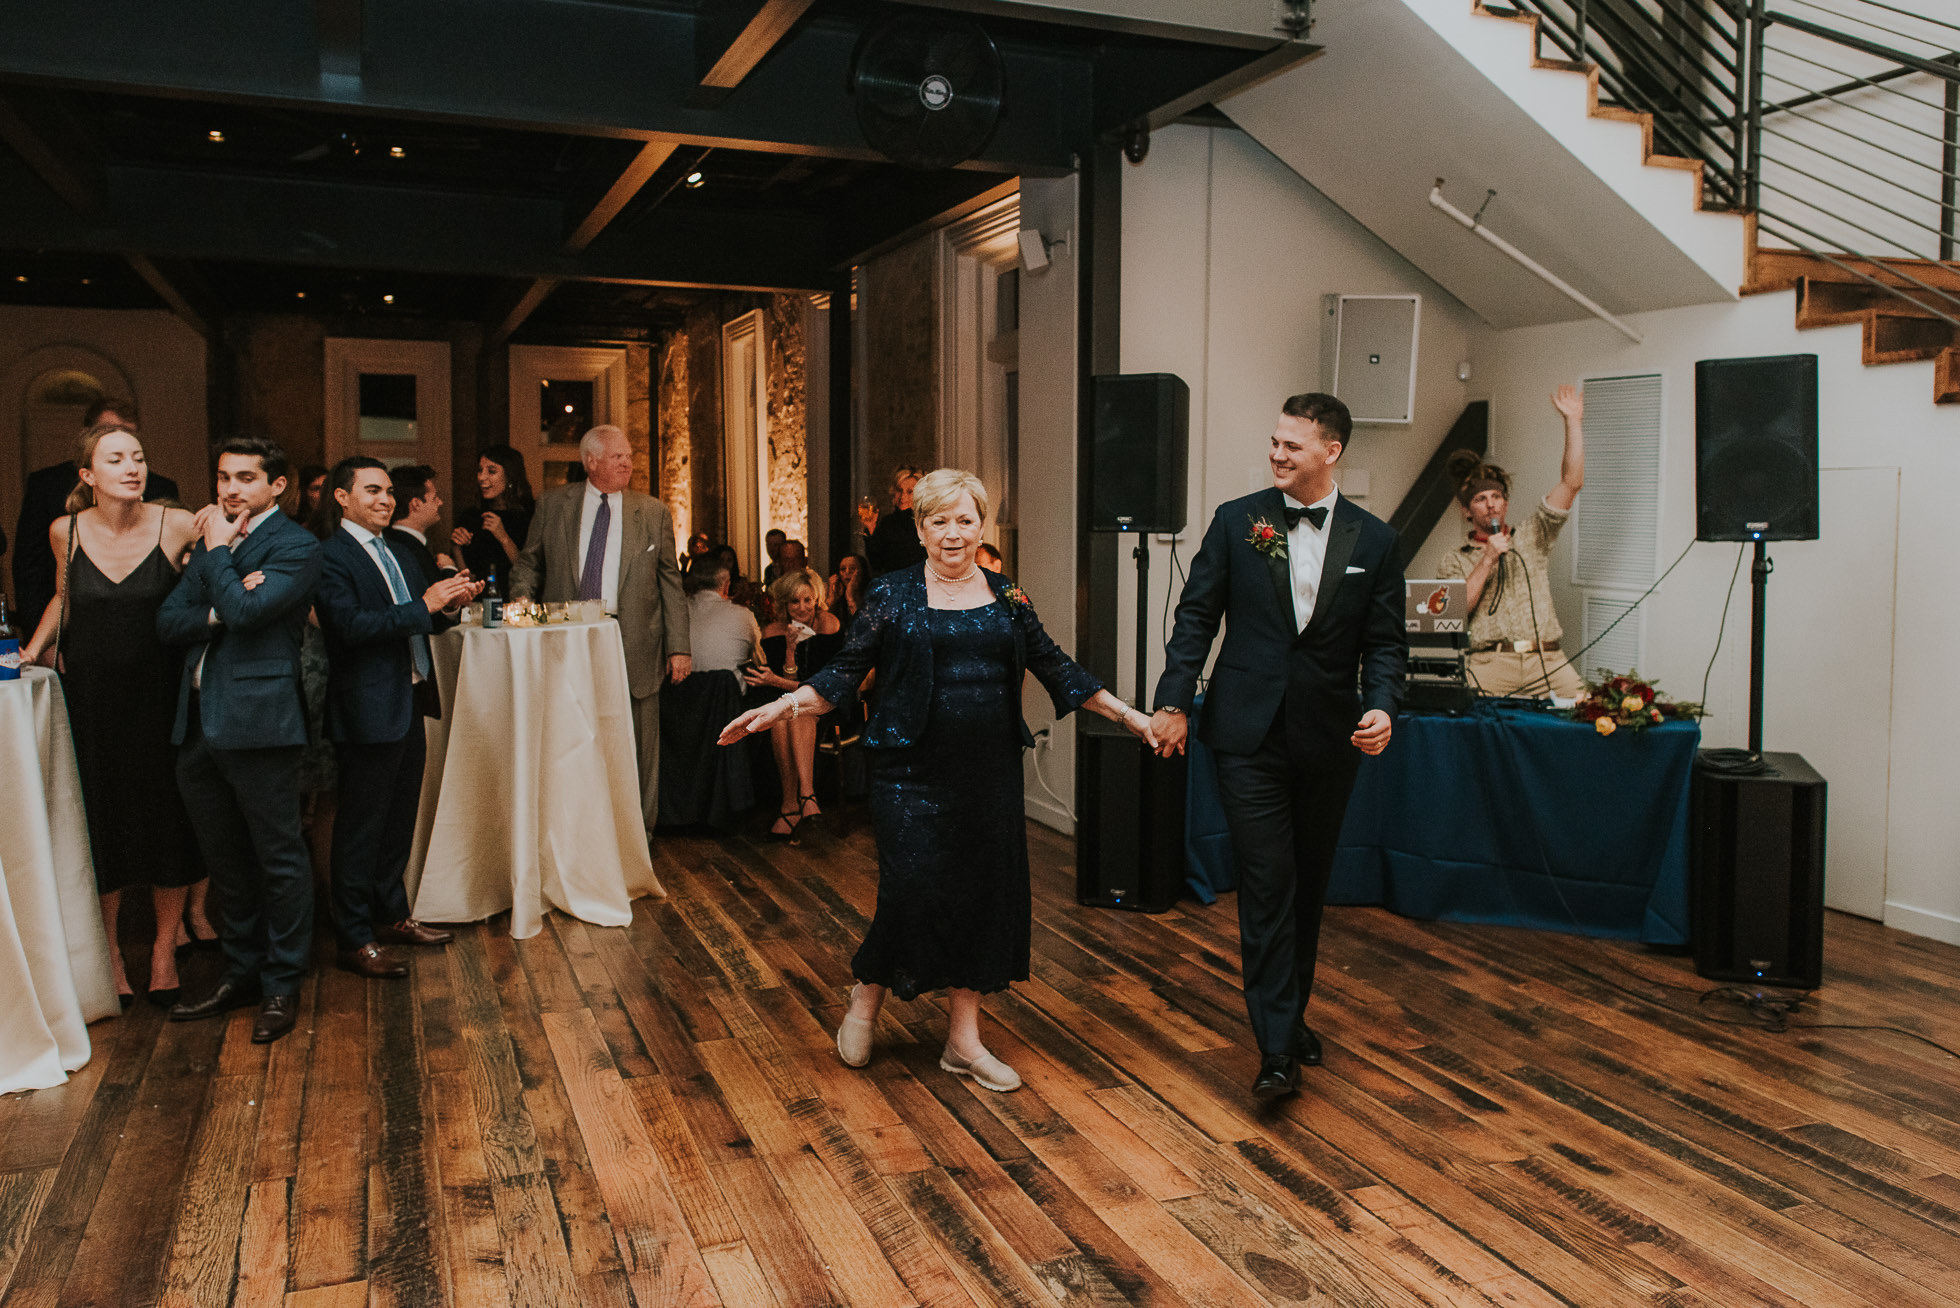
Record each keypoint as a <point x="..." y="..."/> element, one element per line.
<point x="371" y="960"/>
<point x="277" y="1014"/>
<point x="410" y="932"/>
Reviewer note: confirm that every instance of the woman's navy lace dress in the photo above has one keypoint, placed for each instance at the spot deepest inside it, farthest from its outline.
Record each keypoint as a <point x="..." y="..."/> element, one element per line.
<point x="945" y="746"/>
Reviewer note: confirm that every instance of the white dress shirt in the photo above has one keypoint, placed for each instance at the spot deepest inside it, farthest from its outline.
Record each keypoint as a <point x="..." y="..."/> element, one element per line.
<point x="365" y="538"/>
<point x="609" y="574"/>
<point x="1306" y="552"/>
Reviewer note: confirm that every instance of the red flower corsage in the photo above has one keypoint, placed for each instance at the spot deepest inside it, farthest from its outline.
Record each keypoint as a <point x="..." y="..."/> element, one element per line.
<point x="1267" y="539"/>
<point x="1015" y="595"/>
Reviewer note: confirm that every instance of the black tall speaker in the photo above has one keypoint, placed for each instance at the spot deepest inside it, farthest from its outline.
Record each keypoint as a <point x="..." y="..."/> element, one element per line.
<point x="1139" y="455"/>
<point x="1756" y="448"/>
<point x="1129" y="836"/>
<point x="1757" y="858"/>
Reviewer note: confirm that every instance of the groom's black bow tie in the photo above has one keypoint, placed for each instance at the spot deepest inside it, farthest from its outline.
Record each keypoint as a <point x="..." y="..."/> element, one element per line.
<point x="1317" y="515"/>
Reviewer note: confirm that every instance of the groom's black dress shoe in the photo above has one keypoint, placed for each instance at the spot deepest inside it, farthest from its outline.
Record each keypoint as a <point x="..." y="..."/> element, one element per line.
<point x="1306" y="1046"/>
<point x="228" y="995"/>
<point x="277" y="1014"/>
<point x="1279" y="1074"/>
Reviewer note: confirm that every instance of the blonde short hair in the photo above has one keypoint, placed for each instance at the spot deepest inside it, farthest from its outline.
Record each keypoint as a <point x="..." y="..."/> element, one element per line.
<point x="940" y="487"/>
<point x="783" y="589"/>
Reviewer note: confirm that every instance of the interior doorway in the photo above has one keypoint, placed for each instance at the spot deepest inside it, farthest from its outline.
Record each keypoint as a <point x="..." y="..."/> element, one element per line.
<point x="557" y="394"/>
<point x="745" y="436"/>
<point x="979" y="363"/>
<point x="388" y="400"/>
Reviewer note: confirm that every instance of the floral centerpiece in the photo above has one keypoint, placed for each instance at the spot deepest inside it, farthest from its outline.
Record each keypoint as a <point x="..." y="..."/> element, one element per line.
<point x="1614" y="702"/>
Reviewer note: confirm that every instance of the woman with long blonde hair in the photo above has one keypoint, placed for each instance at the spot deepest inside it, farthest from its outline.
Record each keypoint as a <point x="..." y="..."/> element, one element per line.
<point x="116" y="562"/>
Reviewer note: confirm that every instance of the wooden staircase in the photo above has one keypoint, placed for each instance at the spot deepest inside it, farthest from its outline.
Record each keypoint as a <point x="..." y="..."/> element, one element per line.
<point x="1896" y="330"/>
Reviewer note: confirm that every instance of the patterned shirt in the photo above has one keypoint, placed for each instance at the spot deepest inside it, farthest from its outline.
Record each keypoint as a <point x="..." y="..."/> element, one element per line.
<point x="1504" y="611"/>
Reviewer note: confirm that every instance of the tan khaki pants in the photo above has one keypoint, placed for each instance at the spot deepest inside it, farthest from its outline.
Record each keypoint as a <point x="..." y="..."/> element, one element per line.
<point x="1500" y="672"/>
<point x="646" y="734"/>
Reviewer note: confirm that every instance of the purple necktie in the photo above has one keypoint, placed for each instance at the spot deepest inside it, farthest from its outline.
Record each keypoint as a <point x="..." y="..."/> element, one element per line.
<point x="591" y="582"/>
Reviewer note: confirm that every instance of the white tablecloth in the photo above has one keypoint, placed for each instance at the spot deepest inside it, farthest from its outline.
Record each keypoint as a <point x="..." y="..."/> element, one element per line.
<point x="55" y="975"/>
<point x="531" y="798"/>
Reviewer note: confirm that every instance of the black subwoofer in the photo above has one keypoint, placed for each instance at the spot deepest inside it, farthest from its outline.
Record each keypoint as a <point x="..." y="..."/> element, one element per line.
<point x="1140" y="452"/>
<point x="1756" y="847"/>
<point x="1756" y="448"/>
<point x="1129" y="831"/>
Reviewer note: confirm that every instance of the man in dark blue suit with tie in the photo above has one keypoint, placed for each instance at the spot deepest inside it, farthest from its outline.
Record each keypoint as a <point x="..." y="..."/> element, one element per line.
<point x="377" y="608"/>
<point x="1310" y="585"/>
<point x="240" y="608"/>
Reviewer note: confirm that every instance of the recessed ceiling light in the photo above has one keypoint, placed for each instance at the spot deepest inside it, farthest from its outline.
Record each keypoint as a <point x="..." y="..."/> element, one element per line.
<point x="215" y="136"/>
<point x="568" y="408"/>
<point x="696" y="178"/>
<point x="86" y="281"/>
<point x="20" y="277"/>
<point x="387" y="299"/>
<point x="300" y="294"/>
<point x="396" y="152"/>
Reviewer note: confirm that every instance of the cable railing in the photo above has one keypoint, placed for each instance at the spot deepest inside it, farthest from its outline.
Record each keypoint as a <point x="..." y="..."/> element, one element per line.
<point x="1835" y="122"/>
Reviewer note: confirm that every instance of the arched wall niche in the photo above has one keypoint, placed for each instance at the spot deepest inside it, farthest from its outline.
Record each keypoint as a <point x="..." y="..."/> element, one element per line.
<point x="43" y="395"/>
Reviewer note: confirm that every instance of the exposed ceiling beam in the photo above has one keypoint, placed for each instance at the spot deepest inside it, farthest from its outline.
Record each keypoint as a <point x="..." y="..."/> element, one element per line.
<point x="619" y="70"/>
<point x="730" y="39"/>
<point x="634" y="176"/>
<point x="181" y="288"/>
<point x="507" y="318"/>
<point x="184" y="214"/>
<point x="1248" y="75"/>
<point x="1244" y="23"/>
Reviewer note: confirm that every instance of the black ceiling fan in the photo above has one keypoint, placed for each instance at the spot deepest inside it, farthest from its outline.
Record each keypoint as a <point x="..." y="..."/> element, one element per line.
<point x="928" y="90"/>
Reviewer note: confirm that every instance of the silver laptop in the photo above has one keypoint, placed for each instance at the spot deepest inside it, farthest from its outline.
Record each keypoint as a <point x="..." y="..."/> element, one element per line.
<point x="1435" y="606"/>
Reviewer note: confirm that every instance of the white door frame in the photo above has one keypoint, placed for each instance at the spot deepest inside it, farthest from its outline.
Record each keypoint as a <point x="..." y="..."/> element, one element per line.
<point x="973" y="356"/>
<point x="531" y="366"/>
<point x="745" y="436"/>
<point x="347" y="358"/>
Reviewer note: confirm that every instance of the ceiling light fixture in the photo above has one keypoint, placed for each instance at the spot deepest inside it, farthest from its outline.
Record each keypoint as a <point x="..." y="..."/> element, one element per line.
<point x="20" y="277"/>
<point x="215" y="136"/>
<point x="86" y="282"/>
<point x="695" y="179"/>
<point x="300" y="294"/>
<point x="387" y="299"/>
<point x="568" y="408"/>
<point x="396" y="152"/>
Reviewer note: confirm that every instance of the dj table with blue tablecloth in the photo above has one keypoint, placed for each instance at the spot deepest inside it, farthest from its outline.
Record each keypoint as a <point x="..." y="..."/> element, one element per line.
<point x="1508" y="815"/>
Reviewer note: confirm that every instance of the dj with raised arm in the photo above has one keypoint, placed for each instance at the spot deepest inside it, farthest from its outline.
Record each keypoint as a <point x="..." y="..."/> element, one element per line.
<point x="1515" y="638"/>
<point x="951" y="642"/>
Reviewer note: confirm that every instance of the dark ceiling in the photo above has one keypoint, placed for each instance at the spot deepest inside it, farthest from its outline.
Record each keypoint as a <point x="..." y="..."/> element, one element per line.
<point x="595" y="162"/>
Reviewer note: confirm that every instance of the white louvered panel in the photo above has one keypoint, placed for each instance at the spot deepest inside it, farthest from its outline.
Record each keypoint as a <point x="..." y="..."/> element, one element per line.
<point x="1619" y="650"/>
<point x="1620" y="510"/>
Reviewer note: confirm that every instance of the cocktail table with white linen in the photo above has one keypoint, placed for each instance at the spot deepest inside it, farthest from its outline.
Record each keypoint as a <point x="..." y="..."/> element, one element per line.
<point x="531" y="797"/>
<point x="55" y="971"/>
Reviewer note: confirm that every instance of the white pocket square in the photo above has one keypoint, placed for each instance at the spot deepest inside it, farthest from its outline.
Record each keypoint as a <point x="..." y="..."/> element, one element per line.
<point x="656" y="545"/>
<point x="1352" y="570"/>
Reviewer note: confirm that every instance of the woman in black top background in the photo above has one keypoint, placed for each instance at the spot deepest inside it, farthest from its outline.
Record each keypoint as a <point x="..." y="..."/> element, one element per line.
<point x="491" y="532"/>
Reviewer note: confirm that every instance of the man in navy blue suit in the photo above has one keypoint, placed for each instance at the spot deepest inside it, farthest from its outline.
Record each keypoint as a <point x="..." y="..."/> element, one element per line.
<point x="377" y="608"/>
<point x="240" y="608"/>
<point x="1311" y="586"/>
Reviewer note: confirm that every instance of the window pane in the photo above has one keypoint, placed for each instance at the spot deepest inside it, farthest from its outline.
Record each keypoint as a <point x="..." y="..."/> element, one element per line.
<point x="564" y="411"/>
<point x="387" y="407"/>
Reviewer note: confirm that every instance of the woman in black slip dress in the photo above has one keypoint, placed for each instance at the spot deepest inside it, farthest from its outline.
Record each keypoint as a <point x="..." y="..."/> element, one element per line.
<point x="120" y="682"/>
<point x="491" y="532"/>
<point x="950" y="642"/>
<point x="796" y="647"/>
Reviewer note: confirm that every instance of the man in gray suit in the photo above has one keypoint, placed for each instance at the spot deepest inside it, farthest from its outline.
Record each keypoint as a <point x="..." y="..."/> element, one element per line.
<point x="597" y="540"/>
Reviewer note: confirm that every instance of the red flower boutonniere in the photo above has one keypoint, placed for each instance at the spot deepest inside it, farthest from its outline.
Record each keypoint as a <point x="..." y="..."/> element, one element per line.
<point x="1267" y="539"/>
<point x="1015" y="595"/>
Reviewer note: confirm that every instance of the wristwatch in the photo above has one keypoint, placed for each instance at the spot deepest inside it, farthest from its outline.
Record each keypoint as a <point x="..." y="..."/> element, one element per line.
<point x="1169" y="708"/>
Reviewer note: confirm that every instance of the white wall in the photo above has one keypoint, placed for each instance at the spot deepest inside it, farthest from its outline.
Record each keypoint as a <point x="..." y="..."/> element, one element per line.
<point x="1226" y="254"/>
<point x="1045" y="478"/>
<point x="1870" y="707"/>
<point x="162" y="360"/>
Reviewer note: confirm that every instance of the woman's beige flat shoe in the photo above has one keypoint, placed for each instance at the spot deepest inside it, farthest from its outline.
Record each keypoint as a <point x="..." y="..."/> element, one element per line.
<point x="986" y="1069"/>
<point x="854" y="1037"/>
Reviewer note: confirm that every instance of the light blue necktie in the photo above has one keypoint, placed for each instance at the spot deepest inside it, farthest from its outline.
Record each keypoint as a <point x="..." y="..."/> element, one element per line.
<point x="418" y="648"/>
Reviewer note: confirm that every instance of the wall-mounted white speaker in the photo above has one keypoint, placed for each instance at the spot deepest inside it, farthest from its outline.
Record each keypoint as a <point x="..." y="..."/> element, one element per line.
<point x="1034" y="250"/>
<point x="1368" y="354"/>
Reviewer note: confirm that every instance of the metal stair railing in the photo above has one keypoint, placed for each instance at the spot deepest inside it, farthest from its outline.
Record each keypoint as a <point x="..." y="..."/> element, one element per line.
<point x="1835" y="122"/>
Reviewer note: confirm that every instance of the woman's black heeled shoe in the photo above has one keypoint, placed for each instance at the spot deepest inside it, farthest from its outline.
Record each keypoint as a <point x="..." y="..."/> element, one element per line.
<point x="801" y="816"/>
<point x="165" y="998"/>
<point x="794" y="819"/>
<point x="196" y="941"/>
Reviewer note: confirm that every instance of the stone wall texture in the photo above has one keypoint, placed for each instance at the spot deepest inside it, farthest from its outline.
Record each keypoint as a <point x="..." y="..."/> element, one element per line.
<point x="788" y="507"/>
<point x="899" y="375"/>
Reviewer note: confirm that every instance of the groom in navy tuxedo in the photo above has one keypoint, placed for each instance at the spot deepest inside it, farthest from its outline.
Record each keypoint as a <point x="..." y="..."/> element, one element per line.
<point x="1312" y="587"/>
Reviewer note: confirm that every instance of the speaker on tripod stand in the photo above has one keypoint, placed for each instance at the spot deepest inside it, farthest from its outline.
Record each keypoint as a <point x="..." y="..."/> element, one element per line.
<point x="1756" y="843"/>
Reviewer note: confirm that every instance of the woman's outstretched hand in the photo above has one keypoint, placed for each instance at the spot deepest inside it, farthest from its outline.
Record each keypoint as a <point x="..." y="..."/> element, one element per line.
<point x="750" y="723"/>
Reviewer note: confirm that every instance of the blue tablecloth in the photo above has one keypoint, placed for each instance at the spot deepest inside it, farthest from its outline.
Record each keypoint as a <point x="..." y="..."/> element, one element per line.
<point x="1507" y="815"/>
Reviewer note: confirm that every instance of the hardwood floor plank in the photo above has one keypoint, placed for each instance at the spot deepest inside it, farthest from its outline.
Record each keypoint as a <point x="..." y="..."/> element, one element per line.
<point x="22" y="1196"/>
<point x="976" y="1253"/>
<point x="473" y="1253"/>
<point x="601" y="995"/>
<point x="739" y="1279"/>
<point x="347" y="1294"/>
<point x="406" y="1239"/>
<point x="264" y="1251"/>
<point x="661" y="1261"/>
<point x="794" y="1271"/>
<point x="701" y="1202"/>
<point x="330" y="1205"/>
<point x="203" y="1263"/>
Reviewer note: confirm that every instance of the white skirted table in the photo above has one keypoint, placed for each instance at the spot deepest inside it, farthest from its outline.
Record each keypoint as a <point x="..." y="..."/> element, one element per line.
<point x="55" y="974"/>
<point x="531" y="796"/>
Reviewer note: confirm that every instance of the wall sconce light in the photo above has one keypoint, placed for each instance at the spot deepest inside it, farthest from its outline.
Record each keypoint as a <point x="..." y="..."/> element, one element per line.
<point x="1035" y="248"/>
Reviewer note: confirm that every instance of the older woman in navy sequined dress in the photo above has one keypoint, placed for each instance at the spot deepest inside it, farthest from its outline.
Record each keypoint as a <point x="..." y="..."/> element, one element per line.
<point x="950" y="641"/>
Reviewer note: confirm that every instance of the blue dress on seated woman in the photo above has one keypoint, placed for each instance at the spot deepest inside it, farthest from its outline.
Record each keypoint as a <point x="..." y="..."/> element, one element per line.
<point x="944" y="743"/>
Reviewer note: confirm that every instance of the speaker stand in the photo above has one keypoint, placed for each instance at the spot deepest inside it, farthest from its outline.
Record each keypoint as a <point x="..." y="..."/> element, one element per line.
<point x="1759" y="601"/>
<point x="1142" y="556"/>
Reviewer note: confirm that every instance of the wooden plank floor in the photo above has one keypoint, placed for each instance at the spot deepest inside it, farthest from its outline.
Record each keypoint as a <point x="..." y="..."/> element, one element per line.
<point x="654" y="1115"/>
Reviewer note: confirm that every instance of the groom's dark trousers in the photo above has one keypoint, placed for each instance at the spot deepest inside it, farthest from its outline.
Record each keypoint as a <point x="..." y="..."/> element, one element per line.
<point x="1278" y="713"/>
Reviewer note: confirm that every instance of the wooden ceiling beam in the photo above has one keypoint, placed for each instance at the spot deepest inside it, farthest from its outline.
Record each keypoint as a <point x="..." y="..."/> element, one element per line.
<point x="620" y="194"/>
<point x="731" y="37"/>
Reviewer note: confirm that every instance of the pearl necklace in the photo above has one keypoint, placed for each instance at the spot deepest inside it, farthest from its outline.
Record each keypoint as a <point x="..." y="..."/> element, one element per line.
<point x="953" y="581"/>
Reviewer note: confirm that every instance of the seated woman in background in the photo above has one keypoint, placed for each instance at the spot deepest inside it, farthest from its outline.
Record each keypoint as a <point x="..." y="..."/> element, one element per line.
<point x="491" y="532"/>
<point x="847" y="586"/>
<point x="312" y="482"/>
<point x="796" y="646"/>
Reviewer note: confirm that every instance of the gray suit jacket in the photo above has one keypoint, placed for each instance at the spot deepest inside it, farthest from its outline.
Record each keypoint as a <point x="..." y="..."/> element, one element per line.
<point x="652" y="609"/>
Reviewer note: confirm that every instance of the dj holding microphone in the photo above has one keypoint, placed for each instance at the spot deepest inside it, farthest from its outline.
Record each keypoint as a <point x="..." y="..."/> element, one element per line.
<point x="1515" y="638"/>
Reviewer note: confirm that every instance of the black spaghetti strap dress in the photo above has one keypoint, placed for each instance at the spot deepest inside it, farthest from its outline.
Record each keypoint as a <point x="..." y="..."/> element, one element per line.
<point x="120" y="681"/>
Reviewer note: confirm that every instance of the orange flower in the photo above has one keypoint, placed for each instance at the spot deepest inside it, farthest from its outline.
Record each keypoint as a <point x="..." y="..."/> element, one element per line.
<point x="1605" y="726"/>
